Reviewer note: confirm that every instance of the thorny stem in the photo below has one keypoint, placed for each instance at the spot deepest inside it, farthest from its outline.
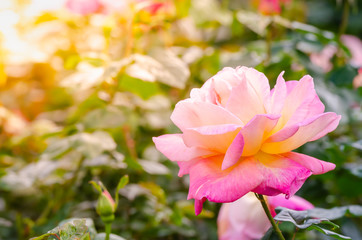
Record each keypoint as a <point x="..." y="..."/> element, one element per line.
<point x="270" y="217"/>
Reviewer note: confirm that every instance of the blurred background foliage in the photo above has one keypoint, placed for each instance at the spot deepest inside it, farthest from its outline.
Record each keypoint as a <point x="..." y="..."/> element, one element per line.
<point x="85" y="85"/>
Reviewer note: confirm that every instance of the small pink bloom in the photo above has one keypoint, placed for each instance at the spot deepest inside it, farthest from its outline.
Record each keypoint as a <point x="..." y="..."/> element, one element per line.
<point x="83" y="7"/>
<point x="238" y="136"/>
<point x="245" y="218"/>
<point x="354" y="44"/>
<point x="357" y="80"/>
<point x="323" y="58"/>
<point x="269" y="7"/>
<point x="152" y="6"/>
<point x="114" y="6"/>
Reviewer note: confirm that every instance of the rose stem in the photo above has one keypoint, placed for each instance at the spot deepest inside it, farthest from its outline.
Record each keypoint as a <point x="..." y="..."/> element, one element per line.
<point x="270" y="217"/>
<point x="108" y="230"/>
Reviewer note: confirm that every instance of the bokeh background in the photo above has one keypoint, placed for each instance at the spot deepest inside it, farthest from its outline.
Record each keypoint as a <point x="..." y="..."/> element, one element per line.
<point x="86" y="84"/>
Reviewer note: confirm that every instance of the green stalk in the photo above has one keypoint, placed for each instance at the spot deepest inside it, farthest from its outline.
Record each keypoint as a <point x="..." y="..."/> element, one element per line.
<point x="108" y="230"/>
<point x="345" y="16"/>
<point x="270" y="217"/>
<point x="268" y="43"/>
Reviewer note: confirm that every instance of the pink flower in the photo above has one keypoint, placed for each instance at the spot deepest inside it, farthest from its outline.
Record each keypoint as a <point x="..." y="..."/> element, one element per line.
<point x="323" y="58"/>
<point x="245" y="218"/>
<point x="152" y="6"/>
<point x="238" y="136"/>
<point x="114" y="6"/>
<point x="354" y="44"/>
<point x="83" y="7"/>
<point x="357" y="80"/>
<point x="271" y="7"/>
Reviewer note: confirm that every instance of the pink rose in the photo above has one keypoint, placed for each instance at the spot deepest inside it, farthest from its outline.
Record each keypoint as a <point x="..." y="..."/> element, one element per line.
<point x="153" y="6"/>
<point x="323" y="58"/>
<point x="354" y="44"/>
<point x="114" y="6"/>
<point x="245" y="218"/>
<point x="83" y="7"/>
<point x="238" y="136"/>
<point x="271" y="7"/>
<point x="357" y="80"/>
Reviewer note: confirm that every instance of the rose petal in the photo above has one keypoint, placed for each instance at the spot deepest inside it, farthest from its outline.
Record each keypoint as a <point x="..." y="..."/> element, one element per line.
<point x="291" y="85"/>
<point x="215" y="138"/>
<point x="191" y="114"/>
<point x="198" y="205"/>
<point x="283" y="134"/>
<point x="281" y="175"/>
<point x="222" y="90"/>
<point x="258" y="81"/>
<point x="207" y="180"/>
<point x="315" y="165"/>
<point x="217" y="89"/>
<point x="255" y="131"/>
<point x="294" y="202"/>
<point x="173" y="147"/>
<point x="277" y="97"/>
<point x="243" y="219"/>
<point x="299" y="93"/>
<point x="229" y="75"/>
<point x="185" y="166"/>
<point x="234" y="152"/>
<point x="309" y="130"/>
<point x="309" y="108"/>
<point x="249" y="139"/>
<point x="245" y="102"/>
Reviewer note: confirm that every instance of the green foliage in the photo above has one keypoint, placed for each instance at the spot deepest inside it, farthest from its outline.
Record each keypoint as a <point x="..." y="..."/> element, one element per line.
<point x="302" y="220"/>
<point x="70" y="230"/>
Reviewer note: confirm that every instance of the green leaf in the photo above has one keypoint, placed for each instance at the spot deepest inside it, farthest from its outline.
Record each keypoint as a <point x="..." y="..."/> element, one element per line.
<point x="138" y="86"/>
<point x="74" y="228"/>
<point x="44" y="237"/>
<point x="343" y="76"/>
<point x="90" y="145"/>
<point x="270" y="235"/>
<point x="121" y="184"/>
<point x="328" y="232"/>
<point x="159" y="65"/>
<point x="298" y="218"/>
<point x="174" y="72"/>
<point x="209" y="11"/>
<point x="336" y="212"/>
<point x="255" y="22"/>
<point x="304" y="220"/>
<point x="153" y="167"/>
<point x="357" y="144"/>
<point x="354" y="168"/>
<point x="96" y="186"/>
<point x="108" y="117"/>
<point x="85" y="78"/>
<point x="86" y="237"/>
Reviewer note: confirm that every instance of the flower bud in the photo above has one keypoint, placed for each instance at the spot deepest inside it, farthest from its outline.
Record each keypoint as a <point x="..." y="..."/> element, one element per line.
<point x="106" y="207"/>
